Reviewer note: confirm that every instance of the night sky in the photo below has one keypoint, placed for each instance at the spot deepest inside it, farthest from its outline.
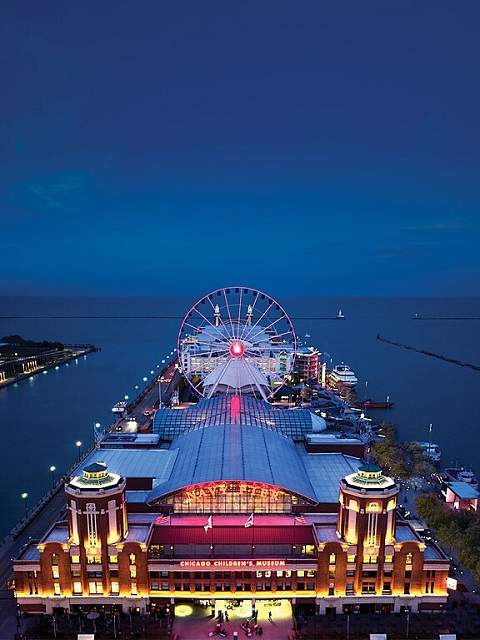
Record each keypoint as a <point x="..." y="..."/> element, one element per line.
<point x="311" y="147"/>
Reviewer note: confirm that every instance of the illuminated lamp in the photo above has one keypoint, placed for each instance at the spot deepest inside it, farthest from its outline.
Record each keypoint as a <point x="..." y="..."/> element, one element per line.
<point x="237" y="349"/>
<point x="452" y="584"/>
<point x="183" y="610"/>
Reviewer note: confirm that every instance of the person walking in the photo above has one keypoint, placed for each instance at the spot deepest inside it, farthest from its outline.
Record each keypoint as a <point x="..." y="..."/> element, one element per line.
<point x="226" y="616"/>
<point x="270" y="616"/>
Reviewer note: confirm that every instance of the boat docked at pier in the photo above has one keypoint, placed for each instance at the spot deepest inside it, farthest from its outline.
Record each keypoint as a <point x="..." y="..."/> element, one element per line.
<point x="343" y="374"/>
<point x="431" y="451"/>
<point x="459" y="474"/>
<point x="375" y="404"/>
<point x="119" y="407"/>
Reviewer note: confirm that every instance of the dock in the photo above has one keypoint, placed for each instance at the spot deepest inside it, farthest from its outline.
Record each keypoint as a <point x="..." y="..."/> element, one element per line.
<point x="13" y="370"/>
<point x="161" y="387"/>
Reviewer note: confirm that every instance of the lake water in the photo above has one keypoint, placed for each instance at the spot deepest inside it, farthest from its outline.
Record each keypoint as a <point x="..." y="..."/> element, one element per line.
<point x="41" y="419"/>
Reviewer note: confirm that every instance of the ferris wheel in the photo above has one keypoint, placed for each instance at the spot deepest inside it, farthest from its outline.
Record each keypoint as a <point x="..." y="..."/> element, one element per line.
<point x="236" y="340"/>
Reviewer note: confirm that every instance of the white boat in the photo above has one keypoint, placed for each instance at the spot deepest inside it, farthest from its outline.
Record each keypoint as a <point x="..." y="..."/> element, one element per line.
<point x="119" y="407"/>
<point x="431" y="451"/>
<point x="344" y="375"/>
<point x="340" y="315"/>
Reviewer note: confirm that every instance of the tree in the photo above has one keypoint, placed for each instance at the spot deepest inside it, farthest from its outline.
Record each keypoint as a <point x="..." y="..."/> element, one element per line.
<point x="402" y="459"/>
<point x="458" y="530"/>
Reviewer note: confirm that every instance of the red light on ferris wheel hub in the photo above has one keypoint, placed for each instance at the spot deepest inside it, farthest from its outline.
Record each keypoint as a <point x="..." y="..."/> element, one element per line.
<point x="237" y="349"/>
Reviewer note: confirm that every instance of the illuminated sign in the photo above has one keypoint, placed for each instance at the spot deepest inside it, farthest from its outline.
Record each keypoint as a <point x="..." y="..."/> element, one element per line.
<point x="220" y="564"/>
<point x="452" y="584"/>
<point x="213" y="489"/>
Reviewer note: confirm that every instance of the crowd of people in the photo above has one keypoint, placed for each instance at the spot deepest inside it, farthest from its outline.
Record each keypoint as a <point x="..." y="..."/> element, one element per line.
<point x="249" y="626"/>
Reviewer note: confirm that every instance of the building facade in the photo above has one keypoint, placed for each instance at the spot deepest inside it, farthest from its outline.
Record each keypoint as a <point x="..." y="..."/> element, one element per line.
<point x="306" y="364"/>
<point x="358" y="558"/>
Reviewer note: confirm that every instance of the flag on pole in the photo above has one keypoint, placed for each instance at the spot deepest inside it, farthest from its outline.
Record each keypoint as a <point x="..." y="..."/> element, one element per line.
<point x="300" y="519"/>
<point x="249" y="522"/>
<point x="209" y="524"/>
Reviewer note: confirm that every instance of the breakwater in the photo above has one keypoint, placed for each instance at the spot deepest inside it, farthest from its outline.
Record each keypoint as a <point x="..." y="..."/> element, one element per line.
<point x="430" y="354"/>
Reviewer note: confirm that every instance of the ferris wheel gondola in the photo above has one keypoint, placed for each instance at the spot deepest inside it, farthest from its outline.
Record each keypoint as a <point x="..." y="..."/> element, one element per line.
<point x="236" y="340"/>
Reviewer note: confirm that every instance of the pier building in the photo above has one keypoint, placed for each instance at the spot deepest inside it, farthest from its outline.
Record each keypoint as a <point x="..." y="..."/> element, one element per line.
<point x="306" y="363"/>
<point x="231" y="499"/>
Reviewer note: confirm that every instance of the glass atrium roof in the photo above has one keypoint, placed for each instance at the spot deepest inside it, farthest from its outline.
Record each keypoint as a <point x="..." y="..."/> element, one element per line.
<point x="243" y="410"/>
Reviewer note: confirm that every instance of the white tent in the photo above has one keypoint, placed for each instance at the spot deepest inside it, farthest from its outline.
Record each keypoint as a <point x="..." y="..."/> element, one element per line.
<point x="240" y="375"/>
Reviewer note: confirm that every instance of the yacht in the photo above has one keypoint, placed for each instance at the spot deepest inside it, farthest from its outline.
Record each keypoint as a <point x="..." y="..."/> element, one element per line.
<point x="431" y="451"/>
<point x="461" y="475"/>
<point x="340" y="315"/>
<point x="344" y="375"/>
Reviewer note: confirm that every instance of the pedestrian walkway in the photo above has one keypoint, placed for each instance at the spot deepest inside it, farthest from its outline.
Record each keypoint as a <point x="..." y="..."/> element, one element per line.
<point x="196" y="623"/>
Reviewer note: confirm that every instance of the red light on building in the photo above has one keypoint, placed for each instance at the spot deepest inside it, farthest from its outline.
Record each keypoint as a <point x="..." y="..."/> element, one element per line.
<point x="235" y="408"/>
<point x="237" y="349"/>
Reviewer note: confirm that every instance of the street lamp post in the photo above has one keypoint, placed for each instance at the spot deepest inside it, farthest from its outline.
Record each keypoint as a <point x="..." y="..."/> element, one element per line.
<point x="96" y="433"/>
<point x="52" y="471"/>
<point x="25" y="501"/>
<point x="407" y="630"/>
<point x="78" y="444"/>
